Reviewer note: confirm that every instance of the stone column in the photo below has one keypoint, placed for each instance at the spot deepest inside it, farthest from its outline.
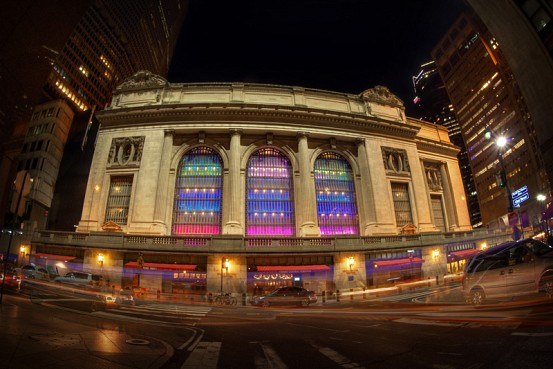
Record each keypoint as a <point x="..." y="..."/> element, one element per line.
<point x="350" y="272"/>
<point x="233" y="224"/>
<point x="159" y="225"/>
<point x="367" y="211"/>
<point x="448" y="198"/>
<point x="306" y="213"/>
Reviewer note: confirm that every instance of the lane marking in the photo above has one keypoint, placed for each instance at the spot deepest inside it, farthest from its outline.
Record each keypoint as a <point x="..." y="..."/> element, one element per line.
<point x="427" y="322"/>
<point x="537" y="334"/>
<point x="338" y="358"/>
<point x="204" y="356"/>
<point x="273" y="360"/>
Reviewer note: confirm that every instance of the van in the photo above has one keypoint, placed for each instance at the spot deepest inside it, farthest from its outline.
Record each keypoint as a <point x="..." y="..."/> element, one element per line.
<point x="511" y="269"/>
<point x="81" y="278"/>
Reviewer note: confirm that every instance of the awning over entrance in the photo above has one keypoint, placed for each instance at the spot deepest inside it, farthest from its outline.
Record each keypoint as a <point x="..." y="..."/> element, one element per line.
<point x="293" y="268"/>
<point x="407" y="261"/>
<point x="161" y="266"/>
<point x="52" y="257"/>
<point x="463" y="254"/>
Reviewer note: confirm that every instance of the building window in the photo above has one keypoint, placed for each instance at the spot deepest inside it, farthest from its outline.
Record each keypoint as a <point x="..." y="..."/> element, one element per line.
<point x="438" y="212"/>
<point x="335" y="193"/>
<point x="402" y="205"/>
<point x="269" y="194"/>
<point x="198" y="193"/>
<point x="117" y="209"/>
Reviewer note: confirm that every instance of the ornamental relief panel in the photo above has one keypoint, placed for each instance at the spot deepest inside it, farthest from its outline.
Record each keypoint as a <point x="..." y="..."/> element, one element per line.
<point x="126" y="152"/>
<point x="433" y="176"/>
<point x="395" y="161"/>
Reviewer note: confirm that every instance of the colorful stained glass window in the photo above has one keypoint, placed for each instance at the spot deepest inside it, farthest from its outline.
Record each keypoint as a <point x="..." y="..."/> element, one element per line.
<point x="270" y="204"/>
<point x="198" y="193"/>
<point x="335" y="191"/>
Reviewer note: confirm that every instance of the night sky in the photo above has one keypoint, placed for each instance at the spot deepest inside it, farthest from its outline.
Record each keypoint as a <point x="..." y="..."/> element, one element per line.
<point x="338" y="45"/>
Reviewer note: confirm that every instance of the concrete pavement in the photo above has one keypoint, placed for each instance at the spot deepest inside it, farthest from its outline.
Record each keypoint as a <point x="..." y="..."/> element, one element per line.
<point x="50" y="342"/>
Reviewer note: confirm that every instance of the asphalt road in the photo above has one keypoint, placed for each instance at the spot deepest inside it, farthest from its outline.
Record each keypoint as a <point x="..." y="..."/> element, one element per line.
<point x="427" y="328"/>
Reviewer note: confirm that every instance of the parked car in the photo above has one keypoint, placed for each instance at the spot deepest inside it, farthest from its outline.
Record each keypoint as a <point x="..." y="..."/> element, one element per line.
<point x="81" y="279"/>
<point x="509" y="270"/>
<point x="31" y="271"/>
<point x="289" y="295"/>
<point x="12" y="280"/>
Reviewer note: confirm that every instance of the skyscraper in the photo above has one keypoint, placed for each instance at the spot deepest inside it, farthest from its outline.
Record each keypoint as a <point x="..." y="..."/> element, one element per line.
<point x="433" y="105"/>
<point x="524" y="29"/>
<point x="490" y="108"/>
<point x="108" y="41"/>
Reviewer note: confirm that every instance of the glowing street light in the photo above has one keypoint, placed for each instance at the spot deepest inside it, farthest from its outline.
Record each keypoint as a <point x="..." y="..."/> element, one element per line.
<point x="225" y="264"/>
<point x="501" y="177"/>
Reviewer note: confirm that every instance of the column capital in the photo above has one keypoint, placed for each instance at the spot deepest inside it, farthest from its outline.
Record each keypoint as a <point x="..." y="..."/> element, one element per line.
<point x="235" y="131"/>
<point x="360" y="141"/>
<point x="302" y="134"/>
<point x="169" y="132"/>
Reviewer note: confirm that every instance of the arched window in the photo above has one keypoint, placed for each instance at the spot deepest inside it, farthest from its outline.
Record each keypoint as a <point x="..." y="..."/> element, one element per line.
<point x="198" y="193"/>
<point x="336" y="209"/>
<point x="269" y="198"/>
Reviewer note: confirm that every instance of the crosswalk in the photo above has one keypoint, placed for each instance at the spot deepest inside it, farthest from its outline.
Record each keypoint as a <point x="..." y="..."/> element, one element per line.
<point x="206" y="356"/>
<point x="162" y="312"/>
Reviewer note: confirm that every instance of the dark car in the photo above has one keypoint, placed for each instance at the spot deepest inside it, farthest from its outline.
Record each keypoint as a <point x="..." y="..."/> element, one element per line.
<point x="509" y="270"/>
<point x="289" y="295"/>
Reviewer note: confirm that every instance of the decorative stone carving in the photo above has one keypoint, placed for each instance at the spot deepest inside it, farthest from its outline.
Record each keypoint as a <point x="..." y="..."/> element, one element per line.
<point x="395" y="161"/>
<point x="126" y="152"/>
<point x="433" y="176"/>
<point x="111" y="227"/>
<point x="409" y="228"/>
<point x="382" y="95"/>
<point x="143" y="79"/>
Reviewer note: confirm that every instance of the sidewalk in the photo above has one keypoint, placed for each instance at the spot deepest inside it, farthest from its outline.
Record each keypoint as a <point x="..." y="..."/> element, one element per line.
<point x="27" y="341"/>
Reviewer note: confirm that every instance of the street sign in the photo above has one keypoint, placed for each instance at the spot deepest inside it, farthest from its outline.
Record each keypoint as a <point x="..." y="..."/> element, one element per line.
<point x="519" y="196"/>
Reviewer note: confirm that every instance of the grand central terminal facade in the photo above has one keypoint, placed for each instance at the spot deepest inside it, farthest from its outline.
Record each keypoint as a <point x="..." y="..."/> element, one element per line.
<point x="241" y="187"/>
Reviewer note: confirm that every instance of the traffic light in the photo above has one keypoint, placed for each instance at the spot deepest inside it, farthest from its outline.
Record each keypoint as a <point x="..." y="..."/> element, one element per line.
<point x="501" y="179"/>
<point x="488" y="135"/>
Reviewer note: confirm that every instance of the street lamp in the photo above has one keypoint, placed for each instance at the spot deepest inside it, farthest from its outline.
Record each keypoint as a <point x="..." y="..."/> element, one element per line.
<point x="351" y="262"/>
<point x="501" y="178"/>
<point x="225" y="263"/>
<point x="541" y="198"/>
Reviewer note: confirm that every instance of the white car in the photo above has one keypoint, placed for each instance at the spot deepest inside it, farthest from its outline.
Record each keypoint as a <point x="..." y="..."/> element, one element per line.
<point x="509" y="270"/>
<point x="32" y="271"/>
<point x="81" y="279"/>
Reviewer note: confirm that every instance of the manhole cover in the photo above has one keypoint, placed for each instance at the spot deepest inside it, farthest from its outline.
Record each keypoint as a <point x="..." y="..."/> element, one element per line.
<point x="137" y="341"/>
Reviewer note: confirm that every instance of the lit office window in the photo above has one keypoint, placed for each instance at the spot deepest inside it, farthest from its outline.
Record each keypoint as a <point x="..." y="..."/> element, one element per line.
<point x="269" y="198"/>
<point x="335" y="192"/>
<point x="198" y="193"/>
<point x="402" y="205"/>
<point x="117" y="209"/>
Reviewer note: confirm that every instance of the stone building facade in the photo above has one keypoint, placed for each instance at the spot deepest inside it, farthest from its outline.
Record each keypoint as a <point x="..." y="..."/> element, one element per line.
<point x="271" y="163"/>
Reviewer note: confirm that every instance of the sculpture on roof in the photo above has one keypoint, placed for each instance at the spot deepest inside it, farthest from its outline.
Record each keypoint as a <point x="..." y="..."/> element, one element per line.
<point x="382" y="94"/>
<point x="143" y="79"/>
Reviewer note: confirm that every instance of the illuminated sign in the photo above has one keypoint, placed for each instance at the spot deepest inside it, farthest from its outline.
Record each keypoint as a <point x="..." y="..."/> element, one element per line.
<point x="519" y="196"/>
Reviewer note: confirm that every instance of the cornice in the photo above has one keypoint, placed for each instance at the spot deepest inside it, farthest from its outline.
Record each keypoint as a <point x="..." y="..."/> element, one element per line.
<point x="255" y="114"/>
